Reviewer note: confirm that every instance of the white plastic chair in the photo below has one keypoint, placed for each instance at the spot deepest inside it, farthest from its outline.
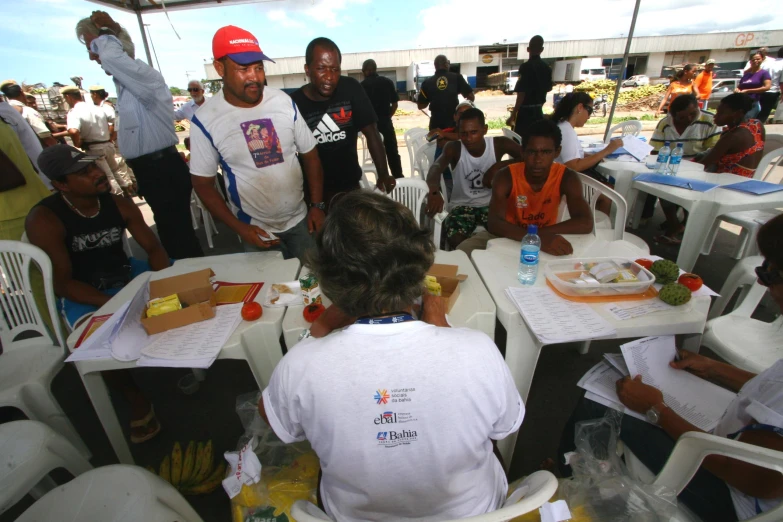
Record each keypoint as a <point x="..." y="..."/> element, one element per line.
<point x="428" y="150"/>
<point x="742" y="277"/>
<point x="745" y="342"/>
<point x="29" y="451"/>
<point x="414" y="138"/>
<point x="772" y="142"/>
<point x="749" y="220"/>
<point x="508" y="133"/>
<point x="209" y="224"/>
<point x="411" y="193"/>
<point x="626" y="128"/>
<point x="118" y="493"/>
<point x="591" y="190"/>
<point x="536" y="490"/>
<point x="27" y="366"/>
<point x="687" y="456"/>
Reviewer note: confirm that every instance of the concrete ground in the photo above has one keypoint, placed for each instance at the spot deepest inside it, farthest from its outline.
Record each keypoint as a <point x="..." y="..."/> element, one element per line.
<point x="209" y="413"/>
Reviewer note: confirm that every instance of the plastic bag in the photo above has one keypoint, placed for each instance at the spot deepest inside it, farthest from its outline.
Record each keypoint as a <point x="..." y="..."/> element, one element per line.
<point x="289" y="471"/>
<point x="601" y="483"/>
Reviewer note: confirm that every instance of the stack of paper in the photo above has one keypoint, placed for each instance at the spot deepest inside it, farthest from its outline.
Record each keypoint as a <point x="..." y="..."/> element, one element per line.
<point x="700" y="402"/>
<point x="674" y="181"/>
<point x="556" y="320"/>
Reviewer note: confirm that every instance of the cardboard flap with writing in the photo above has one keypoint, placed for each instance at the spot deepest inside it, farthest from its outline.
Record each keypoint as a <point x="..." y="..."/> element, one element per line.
<point x="182" y="284"/>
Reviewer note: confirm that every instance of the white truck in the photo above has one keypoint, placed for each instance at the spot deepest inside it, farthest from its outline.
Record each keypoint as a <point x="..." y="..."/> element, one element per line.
<point x="417" y="73"/>
<point x="577" y="70"/>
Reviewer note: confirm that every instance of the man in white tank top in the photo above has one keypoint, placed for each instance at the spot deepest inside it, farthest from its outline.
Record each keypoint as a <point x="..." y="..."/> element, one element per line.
<point x="469" y="158"/>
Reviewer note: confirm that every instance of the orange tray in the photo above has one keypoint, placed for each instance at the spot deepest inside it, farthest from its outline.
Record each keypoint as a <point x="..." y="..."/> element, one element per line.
<point x="648" y="294"/>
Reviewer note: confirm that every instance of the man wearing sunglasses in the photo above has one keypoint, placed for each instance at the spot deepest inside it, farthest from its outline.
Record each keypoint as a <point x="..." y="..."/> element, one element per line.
<point x="186" y="112"/>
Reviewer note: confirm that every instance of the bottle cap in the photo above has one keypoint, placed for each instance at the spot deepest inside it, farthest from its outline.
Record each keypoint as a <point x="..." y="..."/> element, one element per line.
<point x="679" y="144"/>
<point x="667" y="143"/>
<point x="532" y="229"/>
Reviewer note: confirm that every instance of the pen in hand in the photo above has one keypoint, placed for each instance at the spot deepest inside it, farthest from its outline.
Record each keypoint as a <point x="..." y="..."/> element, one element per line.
<point x="690" y="186"/>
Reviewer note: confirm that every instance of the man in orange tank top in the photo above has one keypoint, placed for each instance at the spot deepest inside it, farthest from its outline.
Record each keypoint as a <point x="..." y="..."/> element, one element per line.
<point x="530" y="192"/>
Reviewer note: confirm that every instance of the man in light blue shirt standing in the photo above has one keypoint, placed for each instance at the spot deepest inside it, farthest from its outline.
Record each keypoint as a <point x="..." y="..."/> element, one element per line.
<point x="146" y="135"/>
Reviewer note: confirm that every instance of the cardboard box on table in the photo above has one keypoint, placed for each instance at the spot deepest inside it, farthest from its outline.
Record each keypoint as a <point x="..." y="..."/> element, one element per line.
<point x="449" y="281"/>
<point x="195" y="292"/>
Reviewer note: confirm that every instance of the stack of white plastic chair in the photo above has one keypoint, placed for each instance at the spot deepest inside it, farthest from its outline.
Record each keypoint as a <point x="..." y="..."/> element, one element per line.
<point x="367" y="163"/>
<point x="29" y="451"/>
<point x="415" y="138"/>
<point x="508" y="133"/>
<point x="196" y="206"/>
<point x="28" y="365"/>
<point x="118" y="493"/>
<point x="626" y="128"/>
<point x="530" y="494"/>
<point x="411" y="193"/>
<point x="750" y="221"/>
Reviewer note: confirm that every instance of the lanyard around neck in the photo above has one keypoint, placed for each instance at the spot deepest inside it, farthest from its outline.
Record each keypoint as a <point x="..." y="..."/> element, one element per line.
<point x="397" y="317"/>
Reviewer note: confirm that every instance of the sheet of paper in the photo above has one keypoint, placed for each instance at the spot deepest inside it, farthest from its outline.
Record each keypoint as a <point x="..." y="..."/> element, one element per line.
<point x="618" y="361"/>
<point x="556" y="511"/>
<point x="98" y="345"/>
<point x="130" y="337"/>
<point x="601" y="380"/>
<point x="615" y="406"/>
<point x="635" y="147"/>
<point x="92" y="326"/>
<point x="698" y="401"/>
<point x="202" y="340"/>
<point x="628" y="310"/>
<point x="553" y="319"/>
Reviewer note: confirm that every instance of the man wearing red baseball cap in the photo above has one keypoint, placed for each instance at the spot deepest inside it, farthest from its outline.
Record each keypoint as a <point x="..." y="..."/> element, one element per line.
<point x="255" y="133"/>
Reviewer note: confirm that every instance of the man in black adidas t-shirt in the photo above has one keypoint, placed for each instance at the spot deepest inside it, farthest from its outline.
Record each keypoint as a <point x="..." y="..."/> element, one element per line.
<point x="336" y="109"/>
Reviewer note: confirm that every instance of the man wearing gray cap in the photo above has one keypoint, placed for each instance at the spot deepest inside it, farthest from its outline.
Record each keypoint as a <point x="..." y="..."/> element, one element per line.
<point x="146" y="135"/>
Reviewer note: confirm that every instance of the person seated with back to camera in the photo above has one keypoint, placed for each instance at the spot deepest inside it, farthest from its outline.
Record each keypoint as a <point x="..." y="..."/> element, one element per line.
<point x="80" y="227"/>
<point x="370" y="397"/>
<point x="529" y="193"/>
<point x="724" y="489"/>
<point x="469" y="158"/>
<point x="573" y="111"/>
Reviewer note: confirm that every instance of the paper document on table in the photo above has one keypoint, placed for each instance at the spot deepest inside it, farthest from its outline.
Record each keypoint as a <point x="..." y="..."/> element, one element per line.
<point x="601" y="380"/>
<point x="197" y="341"/>
<point x="626" y="310"/>
<point x="696" y="400"/>
<point x="674" y="181"/>
<point x="635" y="147"/>
<point x="129" y="336"/>
<point x="755" y="187"/>
<point x="556" y="320"/>
<point x="98" y="344"/>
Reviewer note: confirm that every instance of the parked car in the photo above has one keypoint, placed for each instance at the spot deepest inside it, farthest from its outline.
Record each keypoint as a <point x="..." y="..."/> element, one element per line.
<point x="728" y="73"/>
<point x="636" y="81"/>
<point x="720" y="89"/>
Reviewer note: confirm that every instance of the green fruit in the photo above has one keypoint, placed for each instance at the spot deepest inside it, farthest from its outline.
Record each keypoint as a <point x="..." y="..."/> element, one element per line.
<point x="675" y="294"/>
<point x="665" y="271"/>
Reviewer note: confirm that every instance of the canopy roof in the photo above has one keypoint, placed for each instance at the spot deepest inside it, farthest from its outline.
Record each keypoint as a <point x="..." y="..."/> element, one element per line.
<point x="152" y="6"/>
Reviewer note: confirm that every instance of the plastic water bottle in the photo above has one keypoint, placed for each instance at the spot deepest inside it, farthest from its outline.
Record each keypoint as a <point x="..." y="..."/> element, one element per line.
<point x="663" y="158"/>
<point x="528" y="256"/>
<point x="676" y="158"/>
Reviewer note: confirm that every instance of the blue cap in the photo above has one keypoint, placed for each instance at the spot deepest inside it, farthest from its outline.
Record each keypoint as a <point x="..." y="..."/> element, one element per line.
<point x="532" y="229"/>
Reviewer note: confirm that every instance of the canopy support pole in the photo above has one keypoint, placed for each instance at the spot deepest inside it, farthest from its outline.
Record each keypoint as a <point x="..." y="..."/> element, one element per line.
<point x="622" y="69"/>
<point x="143" y="35"/>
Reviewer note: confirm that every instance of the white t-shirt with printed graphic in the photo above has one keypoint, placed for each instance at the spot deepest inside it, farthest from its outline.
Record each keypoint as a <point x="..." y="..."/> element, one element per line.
<point x="401" y="416"/>
<point x="257" y="148"/>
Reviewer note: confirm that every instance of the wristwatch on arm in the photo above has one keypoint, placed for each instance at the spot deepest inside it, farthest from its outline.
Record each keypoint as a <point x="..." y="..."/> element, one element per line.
<point x="320" y="205"/>
<point x="654" y="413"/>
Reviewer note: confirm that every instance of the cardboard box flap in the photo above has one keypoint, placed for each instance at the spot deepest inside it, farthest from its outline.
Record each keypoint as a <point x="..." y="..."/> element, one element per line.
<point x="439" y="270"/>
<point x="181" y="284"/>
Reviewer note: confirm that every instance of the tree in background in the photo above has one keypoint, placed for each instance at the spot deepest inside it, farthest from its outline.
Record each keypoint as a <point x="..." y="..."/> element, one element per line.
<point x="176" y="91"/>
<point x="212" y="86"/>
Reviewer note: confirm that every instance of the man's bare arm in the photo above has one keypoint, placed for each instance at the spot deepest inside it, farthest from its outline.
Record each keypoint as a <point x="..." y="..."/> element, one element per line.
<point x="142" y="233"/>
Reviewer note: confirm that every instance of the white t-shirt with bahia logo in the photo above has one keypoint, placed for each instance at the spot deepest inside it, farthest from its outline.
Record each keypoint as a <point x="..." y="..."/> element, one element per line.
<point x="401" y="416"/>
<point x="257" y="149"/>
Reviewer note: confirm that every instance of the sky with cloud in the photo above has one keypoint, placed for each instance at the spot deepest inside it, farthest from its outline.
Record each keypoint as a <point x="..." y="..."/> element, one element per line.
<point x="39" y="43"/>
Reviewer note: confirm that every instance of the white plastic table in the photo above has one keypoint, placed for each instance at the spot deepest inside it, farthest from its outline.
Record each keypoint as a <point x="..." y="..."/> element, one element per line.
<point x="498" y="265"/>
<point x="703" y="207"/>
<point x="474" y="307"/>
<point x="256" y="342"/>
<point x="623" y="173"/>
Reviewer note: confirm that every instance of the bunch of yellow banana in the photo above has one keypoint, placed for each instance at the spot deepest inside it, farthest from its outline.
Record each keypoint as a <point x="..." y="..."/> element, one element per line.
<point x="195" y="473"/>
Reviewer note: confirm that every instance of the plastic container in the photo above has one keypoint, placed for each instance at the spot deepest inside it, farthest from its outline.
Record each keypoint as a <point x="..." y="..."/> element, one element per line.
<point x="528" y="256"/>
<point x="663" y="158"/>
<point x="675" y="159"/>
<point x="562" y="274"/>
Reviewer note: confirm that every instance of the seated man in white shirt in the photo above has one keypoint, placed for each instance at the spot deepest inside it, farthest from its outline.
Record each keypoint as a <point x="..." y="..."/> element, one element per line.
<point x="401" y="413"/>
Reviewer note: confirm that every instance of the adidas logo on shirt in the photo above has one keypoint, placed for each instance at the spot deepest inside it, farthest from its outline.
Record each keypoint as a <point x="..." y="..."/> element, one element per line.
<point x="327" y="131"/>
